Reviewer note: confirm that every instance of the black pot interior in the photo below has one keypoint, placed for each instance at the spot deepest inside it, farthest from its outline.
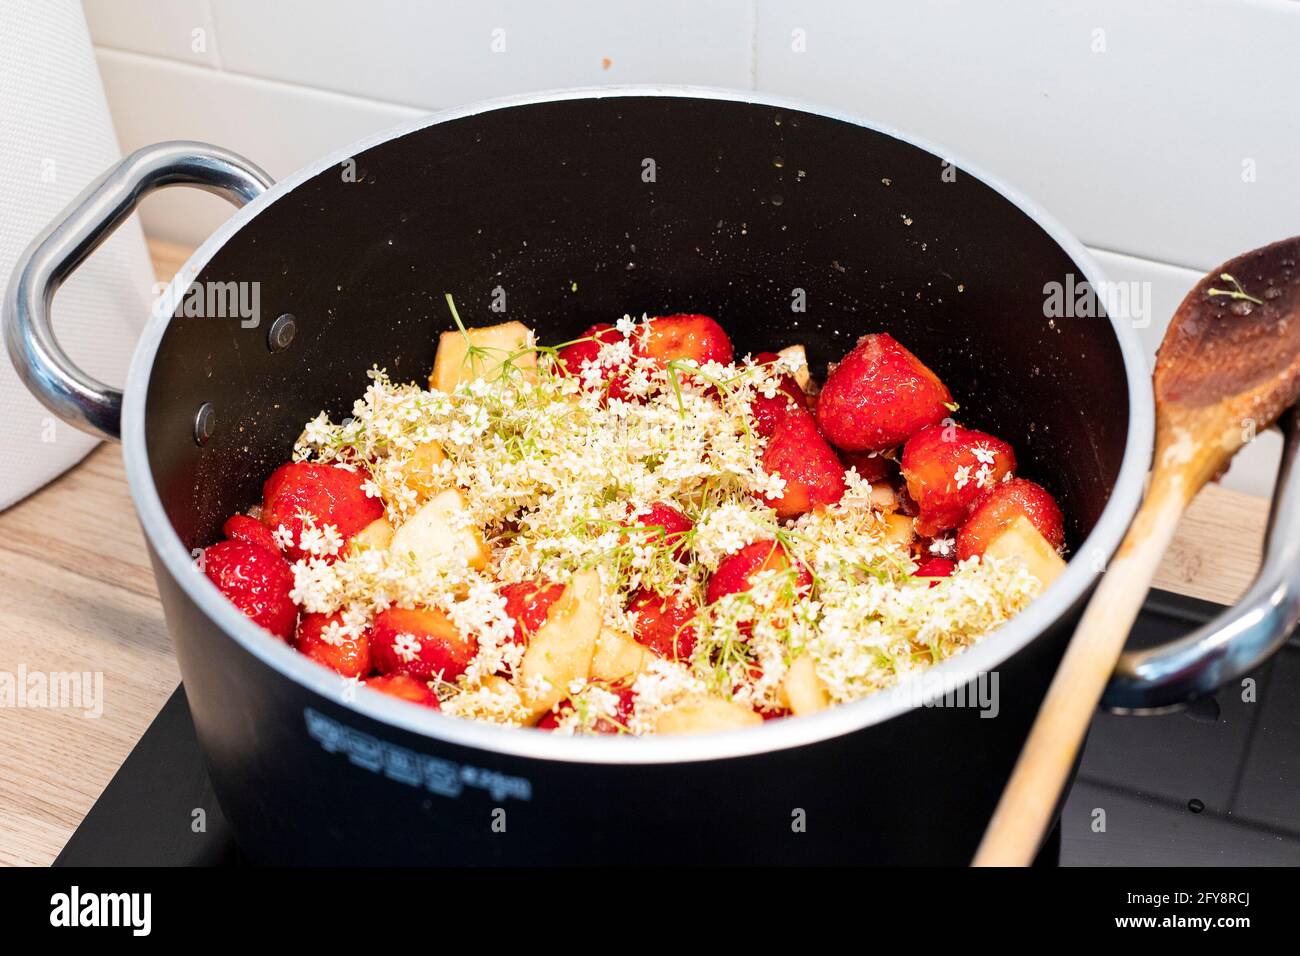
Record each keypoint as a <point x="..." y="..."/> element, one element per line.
<point x="550" y="202"/>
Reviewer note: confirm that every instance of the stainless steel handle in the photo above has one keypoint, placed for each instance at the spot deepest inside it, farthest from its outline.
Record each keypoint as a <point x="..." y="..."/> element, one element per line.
<point x="42" y="364"/>
<point x="1243" y="636"/>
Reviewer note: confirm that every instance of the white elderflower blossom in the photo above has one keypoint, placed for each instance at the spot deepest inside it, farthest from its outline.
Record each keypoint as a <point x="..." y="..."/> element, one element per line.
<point x="407" y="647"/>
<point x="556" y="470"/>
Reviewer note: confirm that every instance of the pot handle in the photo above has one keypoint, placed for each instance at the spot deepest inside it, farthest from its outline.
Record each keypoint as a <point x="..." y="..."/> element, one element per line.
<point x="1243" y="636"/>
<point x="92" y="217"/>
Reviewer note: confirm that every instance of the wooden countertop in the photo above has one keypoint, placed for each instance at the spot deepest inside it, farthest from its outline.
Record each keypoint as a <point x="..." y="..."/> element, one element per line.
<point x="77" y="594"/>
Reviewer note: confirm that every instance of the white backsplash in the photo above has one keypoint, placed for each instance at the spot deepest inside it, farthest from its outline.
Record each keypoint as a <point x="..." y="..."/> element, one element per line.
<point x="1162" y="132"/>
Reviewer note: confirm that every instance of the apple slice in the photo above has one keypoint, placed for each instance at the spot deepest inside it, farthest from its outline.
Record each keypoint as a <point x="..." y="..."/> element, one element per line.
<point x="802" y="377"/>
<point x="1020" y="539"/>
<point x="417" y="469"/>
<point x="376" y="536"/>
<point x="802" y="691"/>
<point x="618" y="657"/>
<point x="900" y="529"/>
<point x="562" y="649"/>
<point x="491" y="346"/>
<point x="883" y="496"/>
<point x="705" y="715"/>
<point x="433" y="533"/>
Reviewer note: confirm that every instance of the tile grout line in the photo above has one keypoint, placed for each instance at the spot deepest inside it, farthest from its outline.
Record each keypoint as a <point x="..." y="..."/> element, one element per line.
<point x="162" y="62"/>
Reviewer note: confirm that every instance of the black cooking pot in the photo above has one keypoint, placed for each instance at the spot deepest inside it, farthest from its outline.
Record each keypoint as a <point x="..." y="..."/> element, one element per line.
<point x="788" y="225"/>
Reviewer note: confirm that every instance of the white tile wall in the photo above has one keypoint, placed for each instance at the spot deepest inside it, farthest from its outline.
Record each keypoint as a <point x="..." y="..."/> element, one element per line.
<point x="1161" y="132"/>
<point x="278" y="126"/>
<point x="440" y="54"/>
<point x="1134" y="121"/>
<point x="175" y="29"/>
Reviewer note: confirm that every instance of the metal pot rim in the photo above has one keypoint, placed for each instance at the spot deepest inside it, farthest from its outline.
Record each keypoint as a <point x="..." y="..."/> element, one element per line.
<point x="984" y="657"/>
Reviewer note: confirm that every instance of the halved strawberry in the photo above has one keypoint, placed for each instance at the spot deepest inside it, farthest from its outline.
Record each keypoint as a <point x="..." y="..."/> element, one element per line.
<point x="948" y="469"/>
<point x="935" y="567"/>
<point x="812" y="471"/>
<point x="671" y="337"/>
<point x="404" y="687"/>
<point x="736" y="571"/>
<point x="663" y="524"/>
<point x="879" y="396"/>
<point x="256" y="581"/>
<point x="527" y="603"/>
<point x="664" y="624"/>
<point x="420" y="642"/>
<point x="615" y="724"/>
<point x="250" y="531"/>
<point x="343" y="654"/>
<point x="330" y="495"/>
<point x="1006" y="502"/>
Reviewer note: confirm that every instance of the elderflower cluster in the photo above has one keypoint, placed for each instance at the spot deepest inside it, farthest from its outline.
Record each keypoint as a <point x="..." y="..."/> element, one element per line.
<point x="556" y="468"/>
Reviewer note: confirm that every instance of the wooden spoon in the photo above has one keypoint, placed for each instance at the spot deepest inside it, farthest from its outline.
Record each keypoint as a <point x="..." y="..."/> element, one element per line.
<point x="1228" y="366"/>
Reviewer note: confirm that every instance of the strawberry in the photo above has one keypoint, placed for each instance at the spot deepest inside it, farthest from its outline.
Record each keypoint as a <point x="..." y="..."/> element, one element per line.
<point x="330" y="495"/>
<point x="736" y="571"/>
<point x="250" y="531"/>
<point x="934" y="568"/>
<point x="879" y="396"/>
<point x="671" y="337"/>
<point x="787" y="383"/>
<point x="404" y="688"/>
<point x="663" y="339"/>
<point x="526" y="604"/>
<point x="573" y="358"/>
<point x="664" y="624"/>
<point x="812" y="471"/>
<point x="602" y="725"/>
<point x="997" y="509"/>
<point x="768" y="412"/>
<point x="256" y="581"/>
<point x="663" y="524"/>
<point x="346" y="655"/>
<point x="551" y="719"/>
<point x="948" y="469"/>
<point x="872" y="466"/>
<point x="586" y="350"/>
<point x="420" y="642"/>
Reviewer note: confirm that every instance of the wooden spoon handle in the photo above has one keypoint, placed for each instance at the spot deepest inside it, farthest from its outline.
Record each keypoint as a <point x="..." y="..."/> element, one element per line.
<point x="1030" y="799"/>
